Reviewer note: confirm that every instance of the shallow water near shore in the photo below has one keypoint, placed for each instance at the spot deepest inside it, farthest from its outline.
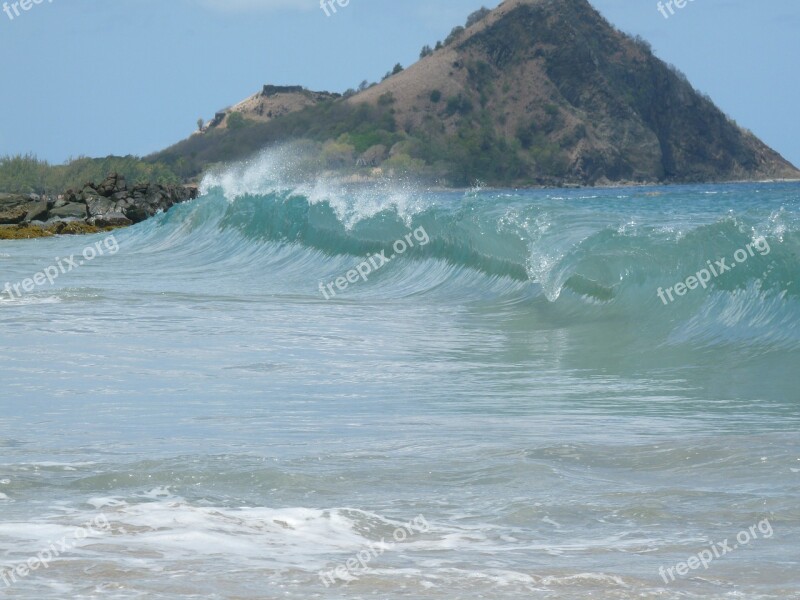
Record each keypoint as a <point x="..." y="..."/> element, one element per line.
<point x="516" y="382"/>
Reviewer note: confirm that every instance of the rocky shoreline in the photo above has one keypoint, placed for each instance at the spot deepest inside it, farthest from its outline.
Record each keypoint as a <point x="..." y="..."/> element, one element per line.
<point x="96" y="207"/>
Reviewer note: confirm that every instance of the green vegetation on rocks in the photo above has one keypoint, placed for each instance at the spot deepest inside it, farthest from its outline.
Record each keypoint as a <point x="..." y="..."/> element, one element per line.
<point x="26" y="174"/>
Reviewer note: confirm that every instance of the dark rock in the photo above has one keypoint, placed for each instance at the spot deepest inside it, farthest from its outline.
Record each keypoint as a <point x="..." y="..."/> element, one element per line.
<point x="88" y="194"/>
<point x="98" y="207"/>
<point x="111" y="219"/>
<point x="111" y="185"/>
<point x="109" y="204"/>
<point x="72" y="210"/>
<point x="13" y="208"/>
<point x="138" y="213"/>
<point x="37" y="211"/>
<point x="121" y="205"/>
<point x="271" y="90"/>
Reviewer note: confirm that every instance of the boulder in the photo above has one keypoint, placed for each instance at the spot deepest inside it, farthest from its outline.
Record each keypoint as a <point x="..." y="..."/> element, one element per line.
<point x="99" y="206"/>
<point x="111" y="185"/>
<point x="139" y="212"/>
<point x="37" y="211"/>
<point x="87" y="193"/>
<point x="72" y="210"/>
<point x="111" y="219"/>
<point x="121" y="205"/>
<point x="109" y="204"/>
<point x="13" y="208"/>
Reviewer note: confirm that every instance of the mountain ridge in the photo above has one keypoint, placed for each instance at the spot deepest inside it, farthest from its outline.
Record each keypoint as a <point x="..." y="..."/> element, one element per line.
<point x="534" y="92"/>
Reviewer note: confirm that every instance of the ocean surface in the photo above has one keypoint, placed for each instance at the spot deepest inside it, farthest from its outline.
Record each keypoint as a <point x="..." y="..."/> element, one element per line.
<point x="506" y="410"/>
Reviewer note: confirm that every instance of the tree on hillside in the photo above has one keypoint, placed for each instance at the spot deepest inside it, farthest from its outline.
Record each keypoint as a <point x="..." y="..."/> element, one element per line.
<point x="236" y="121"/>
<point x="426" y="51"/>
<point x="478" y="15"/>
<point x="457" y="31"/>
<point x="398" y="68"/>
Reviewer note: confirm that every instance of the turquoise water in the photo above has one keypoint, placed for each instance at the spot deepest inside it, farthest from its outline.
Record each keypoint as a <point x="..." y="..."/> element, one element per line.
<point x="516" y="382"/>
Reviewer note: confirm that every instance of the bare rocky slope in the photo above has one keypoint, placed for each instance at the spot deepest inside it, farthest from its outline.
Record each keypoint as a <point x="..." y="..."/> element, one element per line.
<point x="537" y="92"/>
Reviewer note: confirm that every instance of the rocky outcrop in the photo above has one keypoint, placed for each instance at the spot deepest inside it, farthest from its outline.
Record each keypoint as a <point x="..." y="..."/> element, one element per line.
<point x="111" y="203"/>
<point x="271" y="90"/>
<point x="14" y="207"/>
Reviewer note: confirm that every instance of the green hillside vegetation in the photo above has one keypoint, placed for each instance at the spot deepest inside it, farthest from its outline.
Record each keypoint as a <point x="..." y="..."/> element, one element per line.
<point x="347" y="131"/>
<point x="26" y="174"/>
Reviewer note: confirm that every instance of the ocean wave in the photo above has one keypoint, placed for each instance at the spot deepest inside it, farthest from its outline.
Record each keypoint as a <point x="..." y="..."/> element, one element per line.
<point x="591" y="256"/>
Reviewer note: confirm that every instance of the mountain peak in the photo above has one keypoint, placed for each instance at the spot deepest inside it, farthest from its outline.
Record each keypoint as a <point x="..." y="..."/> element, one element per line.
<point x="540" y="92"/>
<point x="589" y="102"/>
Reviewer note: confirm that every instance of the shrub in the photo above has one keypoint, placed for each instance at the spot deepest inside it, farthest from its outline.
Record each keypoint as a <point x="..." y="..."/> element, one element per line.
<point x="478" y="15"/>
<point x="236" y="121"/>
<point x="386" y="99"/>
<point x="402" y="163"/>
<point x="459" y="104"/>
<point x="436" y="95"/>
<point x="27" y="174"/>
<point x="642" y="43"/>
<point x="454" y="34"/>
<point x="337" y="154"/>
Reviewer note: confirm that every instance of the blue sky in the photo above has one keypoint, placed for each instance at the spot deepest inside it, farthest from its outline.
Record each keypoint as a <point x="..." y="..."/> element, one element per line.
<point x="97" y="77"/>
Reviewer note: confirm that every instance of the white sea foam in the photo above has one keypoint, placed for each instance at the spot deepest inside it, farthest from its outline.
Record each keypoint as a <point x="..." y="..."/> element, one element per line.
<point x="279" y="170"/>
<point x="30" y="300"/>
